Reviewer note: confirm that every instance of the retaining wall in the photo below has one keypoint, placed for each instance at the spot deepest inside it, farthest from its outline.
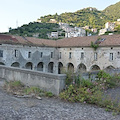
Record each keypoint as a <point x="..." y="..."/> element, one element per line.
<point x="46" y="81"/>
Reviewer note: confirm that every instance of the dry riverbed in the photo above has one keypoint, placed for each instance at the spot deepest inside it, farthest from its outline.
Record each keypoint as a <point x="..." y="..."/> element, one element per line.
<point x="13" y="108"/>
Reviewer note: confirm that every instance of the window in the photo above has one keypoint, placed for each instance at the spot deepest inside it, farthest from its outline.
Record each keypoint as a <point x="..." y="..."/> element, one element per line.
<point x="1" y="53"/>
<point x="82" y="55"/>
<point x="41" y="54"/>
<point x="16" y="53"/>
<point x="59" y="55"/>
<point x="51" y="54"/>
<point x="118" y="54"/>
<point x="95" y="56"/>
<point x="111" y="56"/>
<point x="29" y="54"/>
<point x="70" y="55"/>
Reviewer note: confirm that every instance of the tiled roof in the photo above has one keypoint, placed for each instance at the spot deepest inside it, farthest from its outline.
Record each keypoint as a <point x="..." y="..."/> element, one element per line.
<point x="41" y="42"/>
<point x="8" y="39"/>
<point x="105" y="40"/>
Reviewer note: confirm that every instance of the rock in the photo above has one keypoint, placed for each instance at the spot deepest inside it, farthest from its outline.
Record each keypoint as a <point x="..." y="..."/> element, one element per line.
<point x="39" y="98"/>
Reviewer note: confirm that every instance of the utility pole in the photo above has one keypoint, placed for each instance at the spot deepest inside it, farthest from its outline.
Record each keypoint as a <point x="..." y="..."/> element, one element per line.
<point x="16" y="23"/>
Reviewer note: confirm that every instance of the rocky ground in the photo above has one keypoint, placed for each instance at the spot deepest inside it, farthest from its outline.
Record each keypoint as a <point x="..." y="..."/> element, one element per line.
<point x="13" y="108"/>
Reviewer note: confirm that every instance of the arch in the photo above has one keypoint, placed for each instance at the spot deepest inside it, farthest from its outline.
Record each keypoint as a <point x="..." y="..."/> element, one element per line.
<point x="110" y="68"/>
<point x="40" y="66"/>
<point x="60" y="67"/>
<point x="81" y="67"/>
<point x="95" y="68"/>
<point x="29" y="65"/>
<point x="70" y="67"/>
<point x="50" y="67"/>
<point x="1" y="63"/>
<point x="15" y="64"/>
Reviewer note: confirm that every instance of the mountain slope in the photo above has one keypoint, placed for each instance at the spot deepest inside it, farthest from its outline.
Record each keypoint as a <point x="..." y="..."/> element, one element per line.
<point x="31" y="29"/>
<point x="113" y="11"/>
<point x="88" y="16"/>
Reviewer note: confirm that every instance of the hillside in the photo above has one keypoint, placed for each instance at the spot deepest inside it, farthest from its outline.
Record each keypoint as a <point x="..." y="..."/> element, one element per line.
<point x="35" y="29"/>
<point x="87" y="16"/>
<point x="113" y="11"/>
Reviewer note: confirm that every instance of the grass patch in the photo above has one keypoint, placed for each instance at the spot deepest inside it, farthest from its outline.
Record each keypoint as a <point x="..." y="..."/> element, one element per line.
<point x="18" y="88"/>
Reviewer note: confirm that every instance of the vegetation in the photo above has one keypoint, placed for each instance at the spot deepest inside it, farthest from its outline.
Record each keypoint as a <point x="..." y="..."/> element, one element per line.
<point x="113" y="11"/>
<point x="42" y="29"/>
<point x="87" y="16"/>
<point x="92" y="92"/>
<point x="18" y="88"/>
<point x="94" y="46"/>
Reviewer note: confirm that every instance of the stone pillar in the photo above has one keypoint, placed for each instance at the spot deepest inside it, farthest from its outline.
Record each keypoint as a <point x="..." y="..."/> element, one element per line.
<point x="55" y="68"/>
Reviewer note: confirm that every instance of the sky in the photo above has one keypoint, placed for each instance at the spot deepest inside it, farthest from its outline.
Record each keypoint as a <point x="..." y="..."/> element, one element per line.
<point x="14" y="13"/>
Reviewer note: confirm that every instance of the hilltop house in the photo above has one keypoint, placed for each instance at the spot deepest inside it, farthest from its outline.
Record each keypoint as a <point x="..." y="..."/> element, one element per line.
<point x="72" y="31"/>
<point x="74" y="54"/>
<point x="109" y="26"/>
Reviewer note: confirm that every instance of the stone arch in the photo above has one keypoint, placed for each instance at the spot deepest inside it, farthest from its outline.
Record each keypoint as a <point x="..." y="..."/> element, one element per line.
<point x="40" y="66"/>
<point x="1" y="63"/>
<point x="29" y="65"/>
<point x="109" y="68"/>
<point x="70" y="67"/>
<point x="81" y="68"/>
<point x="15" y="64"/>
<point x="50" y="67"/>
<point x="60" y="67"/>
<point x="95" y="68"/>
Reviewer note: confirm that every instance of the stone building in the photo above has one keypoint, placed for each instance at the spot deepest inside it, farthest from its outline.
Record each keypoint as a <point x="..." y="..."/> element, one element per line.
<point x="53" y="56"/>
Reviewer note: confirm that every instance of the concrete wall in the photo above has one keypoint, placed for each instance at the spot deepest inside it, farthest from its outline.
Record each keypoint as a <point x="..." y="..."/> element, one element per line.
<point x="46" y="81"/>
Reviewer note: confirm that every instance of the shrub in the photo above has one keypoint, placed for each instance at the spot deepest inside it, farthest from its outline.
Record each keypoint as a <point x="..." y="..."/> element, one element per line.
<point x="32" y="89"/>
<point x="87" y="91"/>
<point x="49" y="94"/>
<point x="13" y="85"/>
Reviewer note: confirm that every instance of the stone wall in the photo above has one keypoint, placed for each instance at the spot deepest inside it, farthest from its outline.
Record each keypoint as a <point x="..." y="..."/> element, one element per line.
<point x="46" y="81"/>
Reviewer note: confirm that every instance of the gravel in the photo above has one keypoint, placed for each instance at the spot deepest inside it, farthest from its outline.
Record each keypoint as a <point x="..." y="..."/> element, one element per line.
<point x="13" y="108"/>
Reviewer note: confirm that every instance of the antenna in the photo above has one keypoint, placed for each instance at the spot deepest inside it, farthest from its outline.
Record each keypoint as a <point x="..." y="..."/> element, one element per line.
<point x="16" y="23"/>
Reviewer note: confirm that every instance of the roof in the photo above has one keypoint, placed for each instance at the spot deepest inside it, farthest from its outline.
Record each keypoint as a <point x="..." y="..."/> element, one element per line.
<point x="105" y="40"/>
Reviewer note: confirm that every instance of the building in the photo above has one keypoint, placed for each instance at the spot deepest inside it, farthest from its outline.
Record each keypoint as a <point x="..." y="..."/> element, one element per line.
<point x="52" y="56"/>
<point x="102" y="31"/>
<point x="53" y="35"/>
<point x="110" y="26"/>
<point x="72" y="31"/>
<point x="118" y="20"/>
<point x="53" y="21"/>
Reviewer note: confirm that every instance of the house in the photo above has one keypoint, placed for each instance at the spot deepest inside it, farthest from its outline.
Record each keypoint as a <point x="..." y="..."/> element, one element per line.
<point x="53" y="21"/>
<point x="102" y="31"/>
<point x="52" y="56"/>
<point x="110" y="26"/>
<point x="53" y="35"/>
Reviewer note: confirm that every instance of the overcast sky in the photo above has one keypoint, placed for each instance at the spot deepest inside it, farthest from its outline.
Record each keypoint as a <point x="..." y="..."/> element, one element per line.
<point x="19" y="12"/>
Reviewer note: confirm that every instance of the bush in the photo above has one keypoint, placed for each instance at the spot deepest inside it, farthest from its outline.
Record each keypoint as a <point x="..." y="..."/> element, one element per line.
<point x="87" y="91"/>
